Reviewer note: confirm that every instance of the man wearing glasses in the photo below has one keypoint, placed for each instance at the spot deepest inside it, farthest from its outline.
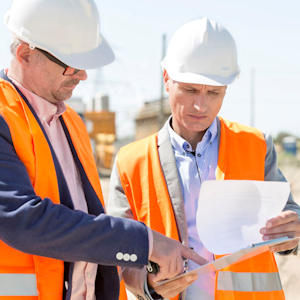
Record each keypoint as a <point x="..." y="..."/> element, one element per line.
<point x="55" y="240"/>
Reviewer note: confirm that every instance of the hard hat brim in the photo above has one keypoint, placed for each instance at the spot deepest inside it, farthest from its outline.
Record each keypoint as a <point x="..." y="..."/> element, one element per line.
<point x="96" y="58"/>
<point x="206" y="79"/>
<point x="92" y="59"/>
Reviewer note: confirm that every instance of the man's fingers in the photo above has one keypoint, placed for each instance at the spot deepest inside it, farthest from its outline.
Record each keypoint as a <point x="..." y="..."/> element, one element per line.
<point x="176" y="287"/>
<point x="267" y="237"/>
<point x="290" y="229"/>
<point x="169" y="254"/>
<point x="169" y="268"/>
<point x="285" y="217"/>
<point x="180" y="265"/>
<point x="286" y="224"/>
<point x="173" y="288"/>
<point x="164" y="273"/>
<point x="284" y="246"/>
<point x="192" y="255"/>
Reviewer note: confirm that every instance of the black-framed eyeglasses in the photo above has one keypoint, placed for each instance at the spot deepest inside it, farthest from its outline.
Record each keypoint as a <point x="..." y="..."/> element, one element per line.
<point x="68" y="71"/>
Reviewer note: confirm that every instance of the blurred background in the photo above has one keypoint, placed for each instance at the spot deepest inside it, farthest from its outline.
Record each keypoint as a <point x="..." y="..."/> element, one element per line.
<point x="126" y="101"/>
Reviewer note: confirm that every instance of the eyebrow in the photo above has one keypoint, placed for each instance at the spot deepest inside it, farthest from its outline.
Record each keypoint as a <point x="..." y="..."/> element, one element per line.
<point x="215" y="89"/>
<point x="188" y="85"/>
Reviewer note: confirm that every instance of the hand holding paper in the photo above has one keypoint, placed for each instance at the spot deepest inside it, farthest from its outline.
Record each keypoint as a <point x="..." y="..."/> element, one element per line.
<point x="232" y="212"/>
<point x="174" y="287"/>
<point x="287" y="223"/>
<point x="230" y="216"/>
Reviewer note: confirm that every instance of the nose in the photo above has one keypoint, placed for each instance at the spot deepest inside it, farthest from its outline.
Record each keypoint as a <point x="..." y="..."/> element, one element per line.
<point x="81" y="75"/>
<point x="200" y="103"/>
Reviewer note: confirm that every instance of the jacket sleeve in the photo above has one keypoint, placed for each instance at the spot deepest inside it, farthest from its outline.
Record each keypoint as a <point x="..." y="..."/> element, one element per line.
<point x="38" y="226"/>
<point x="273" y="173"/>
<point x="118" y="205"/>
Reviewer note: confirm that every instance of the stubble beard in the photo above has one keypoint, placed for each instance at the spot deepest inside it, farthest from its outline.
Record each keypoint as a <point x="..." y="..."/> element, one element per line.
<point x="62" y="93"/>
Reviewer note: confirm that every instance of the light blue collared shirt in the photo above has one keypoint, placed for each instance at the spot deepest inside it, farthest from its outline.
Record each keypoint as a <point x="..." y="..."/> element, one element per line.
<point x="195" y="166"/>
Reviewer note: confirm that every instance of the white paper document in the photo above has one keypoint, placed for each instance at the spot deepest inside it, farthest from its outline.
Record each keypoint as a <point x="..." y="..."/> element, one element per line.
<point x="231" y="212"/>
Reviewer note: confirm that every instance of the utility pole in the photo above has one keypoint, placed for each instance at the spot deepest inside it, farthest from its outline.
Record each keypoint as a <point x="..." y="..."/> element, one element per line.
<point x="97" y="80"/>
<point x="161" y="106"/>
<point x="252" y="97"/>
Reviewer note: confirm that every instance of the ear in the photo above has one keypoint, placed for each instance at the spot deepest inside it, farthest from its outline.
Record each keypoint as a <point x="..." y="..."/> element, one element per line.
<point x="23" y="53"/>
<point x="166" y="80"/>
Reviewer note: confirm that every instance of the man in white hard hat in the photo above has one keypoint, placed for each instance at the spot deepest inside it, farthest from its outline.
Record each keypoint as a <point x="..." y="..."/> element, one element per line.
<point x="157" y="180"/>
<point x="55" y="240"/>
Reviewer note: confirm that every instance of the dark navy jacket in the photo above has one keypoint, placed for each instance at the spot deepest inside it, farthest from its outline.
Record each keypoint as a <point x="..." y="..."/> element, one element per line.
<point x="38" y="226"/>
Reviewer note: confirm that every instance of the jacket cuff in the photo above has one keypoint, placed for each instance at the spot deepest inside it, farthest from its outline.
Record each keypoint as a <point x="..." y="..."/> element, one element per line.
<point x="291" y="251"/>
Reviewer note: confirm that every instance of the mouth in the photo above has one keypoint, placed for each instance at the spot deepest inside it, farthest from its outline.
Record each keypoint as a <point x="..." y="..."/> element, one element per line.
<point x="71" y="85"/>
<point x="197" y="117"/>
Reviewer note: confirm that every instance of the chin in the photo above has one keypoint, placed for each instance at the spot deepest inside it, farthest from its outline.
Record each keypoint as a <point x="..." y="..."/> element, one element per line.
<point x="63" y="97"/>
<point x="197" y="127"/>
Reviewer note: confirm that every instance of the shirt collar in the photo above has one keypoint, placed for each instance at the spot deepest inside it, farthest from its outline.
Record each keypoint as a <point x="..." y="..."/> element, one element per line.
<point x="45" y="110"/>
<point x="179" y="143"/>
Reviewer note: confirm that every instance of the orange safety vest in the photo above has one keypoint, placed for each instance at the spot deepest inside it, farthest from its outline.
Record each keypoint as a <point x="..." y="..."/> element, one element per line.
<point x="242" y="152"/>
<point x="39" y="277"/>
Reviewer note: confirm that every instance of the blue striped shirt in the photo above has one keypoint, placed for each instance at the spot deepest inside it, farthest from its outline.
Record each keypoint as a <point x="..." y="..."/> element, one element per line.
<point x="195" y="166"/>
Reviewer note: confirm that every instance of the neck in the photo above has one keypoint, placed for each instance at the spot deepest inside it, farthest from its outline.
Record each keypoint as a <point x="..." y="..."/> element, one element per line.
<point x="22" y="76"/>
<point x="15" y="72"/>
<point x="192" y="137"/>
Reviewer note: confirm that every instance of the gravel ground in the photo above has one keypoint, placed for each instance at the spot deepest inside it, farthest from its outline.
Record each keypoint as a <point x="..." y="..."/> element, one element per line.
<point x="289" y="267"/>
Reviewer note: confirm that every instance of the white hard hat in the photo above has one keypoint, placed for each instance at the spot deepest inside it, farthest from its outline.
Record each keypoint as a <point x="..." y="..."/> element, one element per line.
<point x="202" y="52"/>
<point x="68" y="29"/>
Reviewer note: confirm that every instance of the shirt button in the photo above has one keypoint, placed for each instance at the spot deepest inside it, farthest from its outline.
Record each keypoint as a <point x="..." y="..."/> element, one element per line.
<point x="119" y="256"/>
<point x="126" y="257"/>
<point x="133" y="257"/>
<point x="199" y="155"/>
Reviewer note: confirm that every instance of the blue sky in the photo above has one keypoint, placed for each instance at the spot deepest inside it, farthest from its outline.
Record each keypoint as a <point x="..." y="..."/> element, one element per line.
<point x="267" y="35"/>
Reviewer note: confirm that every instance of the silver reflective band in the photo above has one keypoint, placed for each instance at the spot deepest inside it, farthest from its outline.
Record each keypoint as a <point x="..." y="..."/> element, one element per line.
<point x="249" y="282"/>
<point x="18" y="285"/>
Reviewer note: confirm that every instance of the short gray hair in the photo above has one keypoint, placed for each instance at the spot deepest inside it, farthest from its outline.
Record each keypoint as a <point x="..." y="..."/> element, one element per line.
<point x="14" y="45"/>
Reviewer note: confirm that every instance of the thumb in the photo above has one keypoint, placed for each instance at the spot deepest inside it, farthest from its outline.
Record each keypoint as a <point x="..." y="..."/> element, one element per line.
<point x="192" y="255"/>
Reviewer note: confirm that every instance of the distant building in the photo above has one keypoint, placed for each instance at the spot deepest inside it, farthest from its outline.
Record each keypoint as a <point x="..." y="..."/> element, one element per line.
<point x="147" y="120"/>
<point x="102" y="132"/>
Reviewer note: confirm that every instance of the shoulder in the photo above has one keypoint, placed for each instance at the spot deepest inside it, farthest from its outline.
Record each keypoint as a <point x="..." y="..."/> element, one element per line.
<point x="135" y="156"/>
<point x="240" y="132"/>
<point x="74" y="122"/>
<point x="72" y="114"/>
<point x="11" y="113"/>
<point x="8" y="95"/>
<point x="238" y="128"/>
<point x="140" y="147"/>
<point x="4" y="84"/>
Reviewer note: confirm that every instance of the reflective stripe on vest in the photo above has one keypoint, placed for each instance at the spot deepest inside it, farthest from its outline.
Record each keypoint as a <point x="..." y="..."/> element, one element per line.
<point x="249" y="282"/>
<point x="18" y="285"/>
